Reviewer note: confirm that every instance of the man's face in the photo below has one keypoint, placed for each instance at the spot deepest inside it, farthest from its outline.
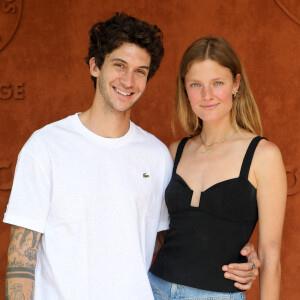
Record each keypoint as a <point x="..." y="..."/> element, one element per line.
<point x="123" y="77"/>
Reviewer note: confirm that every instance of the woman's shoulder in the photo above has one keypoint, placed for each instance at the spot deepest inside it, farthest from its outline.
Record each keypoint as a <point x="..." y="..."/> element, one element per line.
<point x="173" y="148"/>
<point x="265" y="150"/>
<point x="264" y="147"/>
<point x="267" y="155"/>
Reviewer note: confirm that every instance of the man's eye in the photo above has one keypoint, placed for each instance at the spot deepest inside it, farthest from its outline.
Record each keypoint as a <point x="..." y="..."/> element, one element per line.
<point x="218" y="83"/>
<point x="141" y="72"/>
<point x="119" y="65"/>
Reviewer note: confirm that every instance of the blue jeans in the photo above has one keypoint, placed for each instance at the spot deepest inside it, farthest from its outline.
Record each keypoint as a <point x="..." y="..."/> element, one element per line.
<point x="164" y="290"/>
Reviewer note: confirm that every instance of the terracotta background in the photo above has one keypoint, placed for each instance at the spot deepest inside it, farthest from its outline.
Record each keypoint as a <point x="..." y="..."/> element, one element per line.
<point x="43" y="78"/>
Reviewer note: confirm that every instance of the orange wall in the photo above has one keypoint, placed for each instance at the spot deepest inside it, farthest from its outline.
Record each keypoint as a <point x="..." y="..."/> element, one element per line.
<point x="43" y="78"/>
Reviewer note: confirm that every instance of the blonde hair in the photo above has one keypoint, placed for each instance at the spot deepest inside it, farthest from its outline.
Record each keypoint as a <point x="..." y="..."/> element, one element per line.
<point x="244" y="113"/>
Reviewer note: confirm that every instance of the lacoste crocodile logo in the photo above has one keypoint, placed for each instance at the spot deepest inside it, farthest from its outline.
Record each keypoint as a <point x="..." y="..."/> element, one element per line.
<point x="145" y="175"/>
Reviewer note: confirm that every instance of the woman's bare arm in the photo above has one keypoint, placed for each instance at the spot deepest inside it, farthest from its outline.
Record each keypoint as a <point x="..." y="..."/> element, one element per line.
<point x="271" y="199"/>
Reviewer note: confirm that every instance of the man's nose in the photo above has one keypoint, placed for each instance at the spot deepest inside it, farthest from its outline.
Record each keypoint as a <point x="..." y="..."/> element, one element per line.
<point x="128" y="79"/>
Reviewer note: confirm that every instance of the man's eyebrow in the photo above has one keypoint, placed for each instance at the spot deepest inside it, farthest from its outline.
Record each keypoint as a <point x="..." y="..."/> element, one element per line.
<point x="125" y="62"/>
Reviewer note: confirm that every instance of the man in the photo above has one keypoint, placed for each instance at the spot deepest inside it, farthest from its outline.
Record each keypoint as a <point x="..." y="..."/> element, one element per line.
<point x="86" y="203"/>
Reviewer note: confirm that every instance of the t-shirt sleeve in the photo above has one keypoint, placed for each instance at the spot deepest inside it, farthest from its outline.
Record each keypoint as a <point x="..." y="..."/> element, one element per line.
<point x="29" y="201"/>
<point x="164" y="215"/>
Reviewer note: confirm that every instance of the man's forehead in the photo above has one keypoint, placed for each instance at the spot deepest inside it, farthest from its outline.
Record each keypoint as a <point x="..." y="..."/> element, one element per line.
<point x="131" y="54"/>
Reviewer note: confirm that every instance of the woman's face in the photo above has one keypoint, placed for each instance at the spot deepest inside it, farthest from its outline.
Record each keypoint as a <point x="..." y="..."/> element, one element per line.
<point x="210" y="87"/>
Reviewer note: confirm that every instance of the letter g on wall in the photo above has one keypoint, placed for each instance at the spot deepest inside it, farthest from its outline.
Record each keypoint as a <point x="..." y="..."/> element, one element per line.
<point x="10" y="17"/>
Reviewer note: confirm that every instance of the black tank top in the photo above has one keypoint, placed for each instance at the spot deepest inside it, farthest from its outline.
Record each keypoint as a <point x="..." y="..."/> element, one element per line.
<point x="203" y="239"/>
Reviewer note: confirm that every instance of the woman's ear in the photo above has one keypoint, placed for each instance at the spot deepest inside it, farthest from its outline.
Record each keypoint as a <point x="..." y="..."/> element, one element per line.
<point x="236" y="83"/>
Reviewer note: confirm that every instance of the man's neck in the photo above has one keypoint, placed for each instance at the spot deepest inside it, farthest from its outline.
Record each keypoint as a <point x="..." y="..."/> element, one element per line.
<point x="106" y="123"/>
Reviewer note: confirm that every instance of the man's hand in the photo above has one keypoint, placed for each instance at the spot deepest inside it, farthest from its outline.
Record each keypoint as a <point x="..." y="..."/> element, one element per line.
<point x="244" y="274"/>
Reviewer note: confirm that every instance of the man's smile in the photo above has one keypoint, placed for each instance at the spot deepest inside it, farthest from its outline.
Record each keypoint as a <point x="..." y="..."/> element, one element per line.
<point x="122" y="92"/>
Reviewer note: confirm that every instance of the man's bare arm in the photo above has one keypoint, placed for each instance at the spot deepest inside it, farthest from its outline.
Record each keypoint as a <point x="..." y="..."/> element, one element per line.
<point x="20" y="274"/>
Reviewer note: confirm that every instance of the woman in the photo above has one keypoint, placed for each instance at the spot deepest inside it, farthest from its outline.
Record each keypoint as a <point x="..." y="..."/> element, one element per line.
<point x="225" y="176"/>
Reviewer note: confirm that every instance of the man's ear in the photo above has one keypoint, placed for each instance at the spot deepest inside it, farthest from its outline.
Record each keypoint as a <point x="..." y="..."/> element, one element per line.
<point x="94" y="70"/>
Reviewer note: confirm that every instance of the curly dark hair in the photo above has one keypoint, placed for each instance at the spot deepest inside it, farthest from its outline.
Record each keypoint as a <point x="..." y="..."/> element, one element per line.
<point x="121" y="28"/>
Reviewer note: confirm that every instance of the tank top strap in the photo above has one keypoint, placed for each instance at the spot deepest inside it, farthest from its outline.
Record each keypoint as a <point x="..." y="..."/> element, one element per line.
<point x="249" y="156"/>
<point x="179" y="152"/>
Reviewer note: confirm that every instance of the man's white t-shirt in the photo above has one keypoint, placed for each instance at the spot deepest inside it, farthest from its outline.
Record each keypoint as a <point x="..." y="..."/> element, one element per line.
<point x="99" y="204"/>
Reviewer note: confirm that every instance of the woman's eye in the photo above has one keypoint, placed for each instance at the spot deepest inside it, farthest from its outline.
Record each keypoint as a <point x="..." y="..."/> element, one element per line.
<point x="195" y="84"/>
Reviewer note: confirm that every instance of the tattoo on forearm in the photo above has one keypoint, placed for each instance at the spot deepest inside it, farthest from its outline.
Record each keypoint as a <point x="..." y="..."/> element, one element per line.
<point x="20" y="275"/>
<point x="6" y="290"/>
<point x="20" y="272"/>
<point x="25" y="234"/>
<point x="32" y="292"/>
<point x="17" y="292"/>
<point x="34" y="238"/>
<point x="23" y="239"/>
<point x="30" y="266"/>
<point x="24" y="246"/>
<point x="22" y="255"/>
<point x="15" y="263"/>
<point x="12" y="249"/>
<point x="13" y="230"/>
<point x="30" y="254"/>
<point x="21" y="269"/>
<point x="14" y="291"/>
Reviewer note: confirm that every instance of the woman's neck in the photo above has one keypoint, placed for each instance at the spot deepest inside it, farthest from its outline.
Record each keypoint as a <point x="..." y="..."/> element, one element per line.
<point x="215" y="131"/>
